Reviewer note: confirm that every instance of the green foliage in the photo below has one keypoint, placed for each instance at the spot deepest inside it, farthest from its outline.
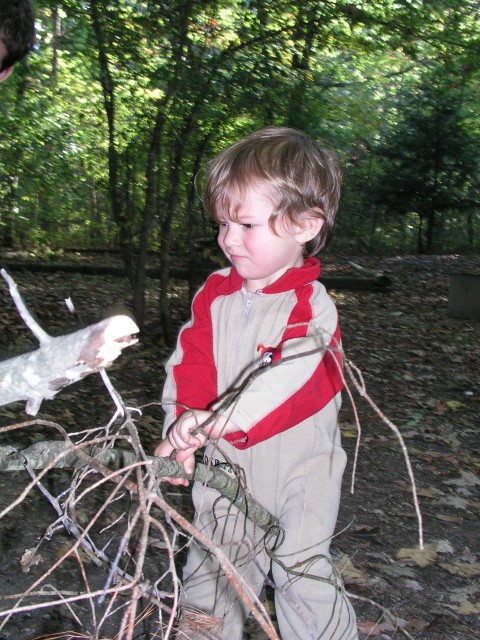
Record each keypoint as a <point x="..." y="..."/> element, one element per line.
<point x="103" y="130"/>
<point x="428" y="163"/>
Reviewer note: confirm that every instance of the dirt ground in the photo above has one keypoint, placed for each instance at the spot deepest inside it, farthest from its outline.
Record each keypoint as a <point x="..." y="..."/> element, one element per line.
<point x="421" y="371"/>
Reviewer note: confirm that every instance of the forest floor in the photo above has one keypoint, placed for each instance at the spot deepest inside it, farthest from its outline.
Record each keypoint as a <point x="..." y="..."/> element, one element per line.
<point x="420" y="367"/>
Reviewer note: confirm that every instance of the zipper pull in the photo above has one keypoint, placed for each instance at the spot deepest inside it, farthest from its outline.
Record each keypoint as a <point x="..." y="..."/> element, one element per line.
<point x="248" y="302"/>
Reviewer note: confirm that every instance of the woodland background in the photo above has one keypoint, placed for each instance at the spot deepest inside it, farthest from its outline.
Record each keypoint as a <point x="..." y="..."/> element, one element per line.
<point x="104" y="127"/>
<point x="102" y="131"/>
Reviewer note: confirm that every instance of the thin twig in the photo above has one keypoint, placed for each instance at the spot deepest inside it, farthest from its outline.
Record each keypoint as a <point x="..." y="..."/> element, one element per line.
<point x="42" y="336"/>
<point x="360" y="386"/>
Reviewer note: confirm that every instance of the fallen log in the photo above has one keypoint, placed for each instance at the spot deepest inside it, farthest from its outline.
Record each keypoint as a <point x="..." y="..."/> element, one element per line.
<point x="380" y="285"/>
<point x="369" y="273"/>
<point x="377" y="282"/>
<point x="381" y="280"/>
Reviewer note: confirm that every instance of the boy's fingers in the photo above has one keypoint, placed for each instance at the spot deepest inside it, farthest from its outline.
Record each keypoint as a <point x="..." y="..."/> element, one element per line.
<point x="163" y="450"/>
<point x="181" y="438"/>
<point x="187" y="458"/>
<point x="185" y="429"/>
<point x="186" y="441"/>
<point x="176" y="481"/>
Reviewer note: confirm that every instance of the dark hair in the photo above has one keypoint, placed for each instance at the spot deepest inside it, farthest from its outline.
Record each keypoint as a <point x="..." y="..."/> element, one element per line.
<point x="300" y="177"/>
<point x="17" y="30"/>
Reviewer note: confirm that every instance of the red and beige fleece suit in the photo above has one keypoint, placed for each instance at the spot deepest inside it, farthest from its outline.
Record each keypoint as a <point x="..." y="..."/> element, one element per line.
<point x="288" y="446"/>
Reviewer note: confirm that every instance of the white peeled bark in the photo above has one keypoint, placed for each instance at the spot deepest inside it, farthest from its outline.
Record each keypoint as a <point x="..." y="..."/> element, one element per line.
<point x="60" y="361"/>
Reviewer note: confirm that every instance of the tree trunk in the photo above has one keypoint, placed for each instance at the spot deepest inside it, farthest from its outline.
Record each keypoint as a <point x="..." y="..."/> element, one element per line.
<point x="108" y="89"/>
<point x="56" y="35"/>
<point x="306" y="30"/>
<point x="430" y="231"/>
<point x="192" y="226"/>
<point x="148" y="216"/>
<point x="8" y="235"/>
<point x="420" y="247"/>
<point x="470" y="228"/>
<point x="153" y="165"/>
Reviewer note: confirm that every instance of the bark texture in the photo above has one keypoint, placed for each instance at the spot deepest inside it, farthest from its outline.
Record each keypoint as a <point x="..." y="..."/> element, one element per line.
<point x="39" y="375"/>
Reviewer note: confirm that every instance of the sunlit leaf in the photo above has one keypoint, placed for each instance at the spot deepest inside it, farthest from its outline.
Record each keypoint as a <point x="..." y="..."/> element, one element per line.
<point x="420" y="557"/>
<point x="461" y="568"/>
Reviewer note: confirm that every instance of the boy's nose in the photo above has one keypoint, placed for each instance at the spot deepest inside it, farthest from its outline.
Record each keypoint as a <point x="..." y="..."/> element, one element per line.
<point x="232" y="237"/>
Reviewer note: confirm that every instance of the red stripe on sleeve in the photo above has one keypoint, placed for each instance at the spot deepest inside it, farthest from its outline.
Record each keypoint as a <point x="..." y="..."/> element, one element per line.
<point x="324" y="384"/>
<point x="195" y="374"/>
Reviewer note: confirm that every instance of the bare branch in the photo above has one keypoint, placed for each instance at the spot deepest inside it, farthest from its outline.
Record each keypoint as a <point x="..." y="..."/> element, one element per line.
<point x="41" y="335"/>
<point x="60" y="361"/>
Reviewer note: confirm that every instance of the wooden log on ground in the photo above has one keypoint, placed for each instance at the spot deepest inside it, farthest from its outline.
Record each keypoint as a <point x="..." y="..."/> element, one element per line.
<point x="377" y="282"/>
<point x="382" y="281"/>
<point x="340" y="283"/>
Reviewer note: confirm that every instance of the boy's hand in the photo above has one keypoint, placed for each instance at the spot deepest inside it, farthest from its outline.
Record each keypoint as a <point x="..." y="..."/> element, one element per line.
<point x="164" y="450"/>
<point x="179" y="438"/>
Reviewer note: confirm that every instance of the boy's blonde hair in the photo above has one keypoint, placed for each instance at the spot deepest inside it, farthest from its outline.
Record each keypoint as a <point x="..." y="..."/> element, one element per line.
<point x="300" y="178"/>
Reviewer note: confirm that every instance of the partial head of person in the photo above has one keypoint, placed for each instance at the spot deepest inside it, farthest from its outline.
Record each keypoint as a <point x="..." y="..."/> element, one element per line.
<point x="300" y="180"/>
<point x="17" y="33"/>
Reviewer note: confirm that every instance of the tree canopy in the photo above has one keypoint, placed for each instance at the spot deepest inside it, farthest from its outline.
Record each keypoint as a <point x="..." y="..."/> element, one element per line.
<point x="105" y="126"/>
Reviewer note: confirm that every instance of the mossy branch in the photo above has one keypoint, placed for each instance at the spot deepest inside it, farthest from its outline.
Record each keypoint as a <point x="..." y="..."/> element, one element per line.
<point x="56" y="454"/>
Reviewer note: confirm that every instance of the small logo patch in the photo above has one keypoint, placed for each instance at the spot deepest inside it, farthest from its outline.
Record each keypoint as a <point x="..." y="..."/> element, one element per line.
<point x="267" y="354"/>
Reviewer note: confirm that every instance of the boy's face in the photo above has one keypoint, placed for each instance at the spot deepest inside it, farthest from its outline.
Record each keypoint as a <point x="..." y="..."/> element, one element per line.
<point x="258" y="254"/>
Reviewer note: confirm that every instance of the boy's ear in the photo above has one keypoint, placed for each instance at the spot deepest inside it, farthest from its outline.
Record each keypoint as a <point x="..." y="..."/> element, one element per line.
<point x="5" y="73"/>
<point x="309" y="228"/>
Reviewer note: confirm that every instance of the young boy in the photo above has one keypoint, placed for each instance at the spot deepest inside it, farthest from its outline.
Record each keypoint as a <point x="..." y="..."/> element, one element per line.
<point x="17" y="33"/>
<point x="274" y="195"/>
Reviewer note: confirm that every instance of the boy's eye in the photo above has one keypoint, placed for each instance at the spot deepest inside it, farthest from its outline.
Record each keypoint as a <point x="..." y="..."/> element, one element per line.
<point x="222" y="223"/>
<point x="248" y="226"/>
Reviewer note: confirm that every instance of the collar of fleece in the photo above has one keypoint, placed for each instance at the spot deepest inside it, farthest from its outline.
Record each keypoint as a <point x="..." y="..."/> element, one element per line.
<point x="291" y="279"/>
